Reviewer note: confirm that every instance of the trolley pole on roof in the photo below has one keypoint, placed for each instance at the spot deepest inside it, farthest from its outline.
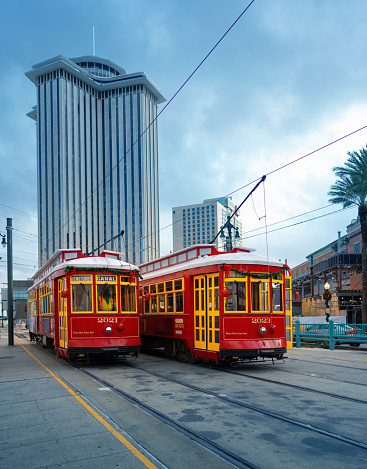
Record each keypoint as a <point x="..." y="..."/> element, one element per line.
<point x="234" y="213"/>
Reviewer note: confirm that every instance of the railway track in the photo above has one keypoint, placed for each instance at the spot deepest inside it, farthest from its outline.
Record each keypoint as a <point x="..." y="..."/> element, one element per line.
<point x="175" y="394"/>
<point x="233" y="402"/>
<point x="206" y="442"/>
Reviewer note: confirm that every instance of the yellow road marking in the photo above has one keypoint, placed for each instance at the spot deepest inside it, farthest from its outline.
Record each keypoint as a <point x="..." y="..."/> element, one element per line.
<point x="109" y="427"/>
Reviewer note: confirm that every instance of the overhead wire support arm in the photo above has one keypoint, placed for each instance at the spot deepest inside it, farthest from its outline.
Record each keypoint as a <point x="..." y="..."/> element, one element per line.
<point x="234" y="213"/>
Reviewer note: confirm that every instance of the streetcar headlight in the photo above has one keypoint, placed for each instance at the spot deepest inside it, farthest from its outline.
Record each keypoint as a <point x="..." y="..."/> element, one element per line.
<point x="108" y="330"/>
<point x="262" y="330"/>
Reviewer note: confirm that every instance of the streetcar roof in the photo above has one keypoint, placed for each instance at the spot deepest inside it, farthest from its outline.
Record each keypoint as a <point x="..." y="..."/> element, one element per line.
<point x="58" y="261"/>
<point x="236" y="257"/>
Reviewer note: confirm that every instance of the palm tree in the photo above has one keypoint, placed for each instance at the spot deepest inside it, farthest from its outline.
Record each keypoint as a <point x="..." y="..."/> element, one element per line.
<point x="351" y="189"/>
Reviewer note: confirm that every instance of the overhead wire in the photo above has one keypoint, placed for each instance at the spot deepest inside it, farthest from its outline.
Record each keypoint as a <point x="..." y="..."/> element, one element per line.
<point x="163" y="109"/>
<point x="156" y="117"/>
<point x="273" y="171"/>
<point x="301" y="222"/>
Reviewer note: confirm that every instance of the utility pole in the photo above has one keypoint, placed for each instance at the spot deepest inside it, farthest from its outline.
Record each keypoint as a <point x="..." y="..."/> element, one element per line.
<point x="9" y="241"/>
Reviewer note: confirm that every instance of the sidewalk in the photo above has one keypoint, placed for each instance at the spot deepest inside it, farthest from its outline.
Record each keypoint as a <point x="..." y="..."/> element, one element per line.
<point x="43" y="425"/>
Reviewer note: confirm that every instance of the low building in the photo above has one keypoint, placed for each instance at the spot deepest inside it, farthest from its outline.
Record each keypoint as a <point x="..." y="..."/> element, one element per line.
<point x="338" y="264"/>
<point x="20" y="299"/>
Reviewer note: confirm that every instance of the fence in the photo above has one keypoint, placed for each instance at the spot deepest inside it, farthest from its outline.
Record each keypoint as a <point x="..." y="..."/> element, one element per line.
<point x="353" y="334"/>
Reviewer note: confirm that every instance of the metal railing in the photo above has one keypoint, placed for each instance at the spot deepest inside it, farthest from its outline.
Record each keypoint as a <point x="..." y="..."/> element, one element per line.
<point x="329" y="332"/>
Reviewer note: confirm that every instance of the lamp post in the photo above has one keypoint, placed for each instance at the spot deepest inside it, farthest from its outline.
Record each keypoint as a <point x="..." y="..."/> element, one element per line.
<point x="3" y="244"/>
<point x="229" y="227"/>
<point x="327" y="298"/>
<point x="9" y="244"/>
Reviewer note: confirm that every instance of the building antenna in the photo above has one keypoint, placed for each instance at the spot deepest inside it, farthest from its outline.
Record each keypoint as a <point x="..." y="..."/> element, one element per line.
<point x="94" y="42"/>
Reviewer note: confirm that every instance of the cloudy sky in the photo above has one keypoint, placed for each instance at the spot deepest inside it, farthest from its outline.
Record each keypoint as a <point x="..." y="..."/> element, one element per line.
<point x="289" y="78"/>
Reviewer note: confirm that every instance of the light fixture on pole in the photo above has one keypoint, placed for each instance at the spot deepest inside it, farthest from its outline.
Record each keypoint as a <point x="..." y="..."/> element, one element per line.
<point x="327" y="297"/>
<point x="229" y="227"/>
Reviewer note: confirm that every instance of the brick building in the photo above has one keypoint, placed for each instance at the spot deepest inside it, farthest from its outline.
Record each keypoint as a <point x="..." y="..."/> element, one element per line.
<point x="338" y="264"/>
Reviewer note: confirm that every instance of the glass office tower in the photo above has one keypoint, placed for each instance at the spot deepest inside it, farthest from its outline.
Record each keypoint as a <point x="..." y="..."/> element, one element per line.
<point x="97" y="148"/>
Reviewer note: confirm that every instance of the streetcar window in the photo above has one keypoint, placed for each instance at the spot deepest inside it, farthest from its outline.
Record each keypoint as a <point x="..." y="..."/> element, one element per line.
<point x="128" y="298"/>
<point x="162" y="307"/>
<point x="260" y="295"/>
<point x="197" y="301"/>
<point x="182" y="257"/>
<point x="178" y="284"/>
<point x="216" y="299"/>
<point x="179" y="302"/>
<point x="81" y="297"/>
<point x="173" y="260"/>
<point x="277" y="296"/>
<point x="46" y="299"/>
<point x="216" y="337"/>
<point x="237" y="296"/>
<point x="153" y="289"/>
<point x="169" y="286"/>
<point x="153" y="303"/>
<point x="160" y="287"/>
<point x="106" y="294"/>
<point x="170" y="303"/>
<point x="192" y="254"/>
<point x="288" y="293"/>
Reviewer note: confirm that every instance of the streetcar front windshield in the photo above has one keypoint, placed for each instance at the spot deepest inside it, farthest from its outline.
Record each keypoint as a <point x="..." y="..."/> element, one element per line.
<point x="81" y="297"/>
<point x="236" y="300"/>
<point x="106" y="294"/>
<point x="277" y="295"/>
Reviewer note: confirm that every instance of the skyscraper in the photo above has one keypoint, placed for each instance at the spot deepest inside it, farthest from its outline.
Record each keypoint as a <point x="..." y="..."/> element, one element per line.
<point x="199" y="223"/>
<point x="97" y="158"/>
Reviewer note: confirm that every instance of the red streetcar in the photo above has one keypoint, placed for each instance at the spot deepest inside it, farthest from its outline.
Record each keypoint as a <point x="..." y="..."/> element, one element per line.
<point x="202" y="304"/>
<point x="85" y="305"/>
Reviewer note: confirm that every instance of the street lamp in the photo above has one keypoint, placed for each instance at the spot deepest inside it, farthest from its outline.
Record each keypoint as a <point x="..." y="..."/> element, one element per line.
<point x="229" y="227"/>
<point x="327" y="298"/>
<point x="9" y="243"/>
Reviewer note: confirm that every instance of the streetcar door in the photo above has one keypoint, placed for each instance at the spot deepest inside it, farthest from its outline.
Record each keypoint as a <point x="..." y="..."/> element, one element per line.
<point x="206" y="312"/>
<point x="200" y="311"/>
<point x="213" y="312"/>
<point x="63" y="323"/>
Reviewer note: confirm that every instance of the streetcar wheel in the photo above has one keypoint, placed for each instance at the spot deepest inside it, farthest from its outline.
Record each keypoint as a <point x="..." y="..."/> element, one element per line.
<point x="168" y="349"/>
<point x="190" y="358"/>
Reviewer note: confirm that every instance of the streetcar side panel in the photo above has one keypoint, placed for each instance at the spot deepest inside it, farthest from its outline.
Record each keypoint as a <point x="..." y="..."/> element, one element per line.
<point x="229" y="312"/>
<point x="86" y="306"/>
